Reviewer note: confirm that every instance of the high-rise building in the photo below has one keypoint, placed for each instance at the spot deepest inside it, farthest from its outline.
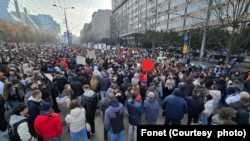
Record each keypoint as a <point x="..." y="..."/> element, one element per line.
<point x="21" y="14"/>
<point x="4" y="14"/>
<point x="46" y="22"/>
<point x="131" y="18"/>
<point x="99" y="27"/>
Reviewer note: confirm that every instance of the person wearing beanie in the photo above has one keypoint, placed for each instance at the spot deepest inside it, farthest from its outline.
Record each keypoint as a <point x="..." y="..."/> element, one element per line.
<point x="19" y="117"/>
<point x="175" y="107"/>
<point x="113" y="119"/>
<point x="48" y="124"/>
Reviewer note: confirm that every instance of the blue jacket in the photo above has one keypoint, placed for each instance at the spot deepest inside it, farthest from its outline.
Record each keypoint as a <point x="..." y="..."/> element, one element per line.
<point x="134" y="112"/>
<point x="174" y="105"/>
<point x="151" y="109"/>
<point x="104" y="83"/>
<point x="110" y="113"/>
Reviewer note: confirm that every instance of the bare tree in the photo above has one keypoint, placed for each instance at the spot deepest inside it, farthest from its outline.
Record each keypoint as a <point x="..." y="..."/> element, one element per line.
<point x="231" y="14"/>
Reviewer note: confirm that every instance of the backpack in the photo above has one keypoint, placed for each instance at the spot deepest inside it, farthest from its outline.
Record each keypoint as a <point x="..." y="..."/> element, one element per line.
<point x="13" y="93"/>
<point x="12" y="131"/>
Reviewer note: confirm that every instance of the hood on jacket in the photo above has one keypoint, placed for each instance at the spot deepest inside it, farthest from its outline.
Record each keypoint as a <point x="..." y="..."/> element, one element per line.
<point x="136" y="75"/>
<point x="114" y="103"/>
<point x="216" y="120"/>
<point x="115" y="106"/>
<point x="33" y="99"/>
<point x="75" y="112"/>
<point x="95" y="68"/>
<point x="89" y="93"/>
<point x="15" y="118"/>
<point x="177" y="92"/>
<point x="75" y="78"/>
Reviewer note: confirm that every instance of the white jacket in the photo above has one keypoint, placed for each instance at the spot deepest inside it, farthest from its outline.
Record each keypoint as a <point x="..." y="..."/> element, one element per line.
<point x="76" y="119"/>
<point x="216" y="94"/>
<point x="209" y="107"/>
<point x="22" y="129"/>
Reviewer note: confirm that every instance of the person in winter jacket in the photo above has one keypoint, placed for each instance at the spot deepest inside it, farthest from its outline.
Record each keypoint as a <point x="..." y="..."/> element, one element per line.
<point x="19" y="114"/>
<point x="76" y="120"/>
<point x="195" y="107"/>
<point x="105" y="83"/>
<point x="134" y="117"/>
<point x="34" y="106"/>
<point x="135" y="79"/>
<point x="76" y="87"/>
<point x="208" y="109"/>
<point x="151" y="109"/>
<point x="241" y="108"/>
<point x="175" y="107"/>
<point x="48" y="124"/>
<point x="103" y="107"/>
<point x="224" y="114"/>
<point x="89" y="101"/>
<point x="216" y="94"/>
<point x="114" y="117"/>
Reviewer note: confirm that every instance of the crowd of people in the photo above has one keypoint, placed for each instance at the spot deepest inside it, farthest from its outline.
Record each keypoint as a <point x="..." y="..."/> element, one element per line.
<point x="113" y="82"/>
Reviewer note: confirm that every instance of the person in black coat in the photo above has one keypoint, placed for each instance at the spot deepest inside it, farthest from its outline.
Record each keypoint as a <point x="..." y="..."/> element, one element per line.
<point x="34" y="106"/>
<point x="195" y="107"/>
<point x="76" y="86"/>
<point x="89" y="101"/>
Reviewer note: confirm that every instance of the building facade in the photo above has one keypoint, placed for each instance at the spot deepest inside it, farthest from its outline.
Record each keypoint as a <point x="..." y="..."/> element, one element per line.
<point x="131" y="18"/>
<point x="21" y="14"/>
<point x="99" y="27"/>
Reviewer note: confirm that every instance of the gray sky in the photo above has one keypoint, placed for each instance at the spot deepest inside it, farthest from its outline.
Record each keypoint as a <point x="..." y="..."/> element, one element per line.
<point x="82" y="12"/>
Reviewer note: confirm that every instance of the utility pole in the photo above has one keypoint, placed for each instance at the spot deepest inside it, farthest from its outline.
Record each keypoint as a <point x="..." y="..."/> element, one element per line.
<point x="66" y="21"/>
<point x="204" y="38"/>
<point x="67" y="29"/>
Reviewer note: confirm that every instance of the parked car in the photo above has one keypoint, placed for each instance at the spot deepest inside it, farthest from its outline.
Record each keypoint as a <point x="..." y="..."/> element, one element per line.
<point x="223" y="55"/>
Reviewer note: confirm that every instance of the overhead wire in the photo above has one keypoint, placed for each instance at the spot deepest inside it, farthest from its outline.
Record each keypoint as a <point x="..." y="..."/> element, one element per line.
<point x="86" y="11"/>
<point x="60" y="14"/>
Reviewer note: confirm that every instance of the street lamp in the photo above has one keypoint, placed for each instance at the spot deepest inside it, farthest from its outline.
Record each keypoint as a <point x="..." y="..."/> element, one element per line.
<point x="65" y="18"/>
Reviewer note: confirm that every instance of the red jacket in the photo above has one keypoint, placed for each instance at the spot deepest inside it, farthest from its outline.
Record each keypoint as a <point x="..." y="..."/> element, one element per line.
<point x="48" y="127"/>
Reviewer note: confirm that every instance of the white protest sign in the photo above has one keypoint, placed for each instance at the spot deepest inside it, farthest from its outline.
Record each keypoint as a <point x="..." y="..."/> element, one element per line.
<point x="91" y="54"/>
<point x="95" y="46"/>
<point x="49" y="76"/>
<point x="100" y="46"/>
<point x="80" y="60"/>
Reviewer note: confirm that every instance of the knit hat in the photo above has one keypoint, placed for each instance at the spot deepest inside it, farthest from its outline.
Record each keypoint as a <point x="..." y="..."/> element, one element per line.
<point x="244" y="94"/>
<point x="46" y="107"/>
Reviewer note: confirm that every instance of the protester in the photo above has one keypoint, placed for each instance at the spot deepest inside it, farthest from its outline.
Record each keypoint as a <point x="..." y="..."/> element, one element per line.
<point x="19" y="120"/>
<point x="114" y="118"/>
<point x="175" y="107"/>
<point x="48" y="124"/>
<point x="76" y="120"/>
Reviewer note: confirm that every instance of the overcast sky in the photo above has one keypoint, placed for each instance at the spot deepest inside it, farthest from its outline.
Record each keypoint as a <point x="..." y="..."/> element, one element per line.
<point x="82" y="12"/>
